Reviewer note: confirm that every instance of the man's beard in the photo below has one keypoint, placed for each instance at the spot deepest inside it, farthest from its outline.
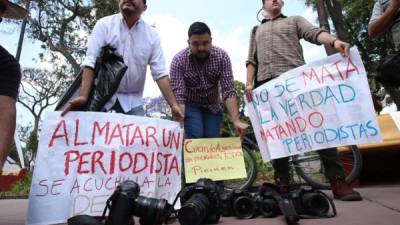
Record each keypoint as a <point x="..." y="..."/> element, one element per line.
<point x="202" y="56"/>
<point x="127" y="12"/>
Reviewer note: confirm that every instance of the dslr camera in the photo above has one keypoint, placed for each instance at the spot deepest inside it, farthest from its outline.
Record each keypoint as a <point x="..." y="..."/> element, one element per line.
<point x="125" y="203"/>
<point x="238" y="203"/>
<point x="200" y="203"/>
<point x="271" y="202"/>
<point x="311" y="202"/>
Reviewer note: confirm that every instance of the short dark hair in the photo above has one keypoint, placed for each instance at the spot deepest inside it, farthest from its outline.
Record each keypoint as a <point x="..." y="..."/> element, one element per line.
<point x="198" y="28"/>
<point x="2" y="8"/>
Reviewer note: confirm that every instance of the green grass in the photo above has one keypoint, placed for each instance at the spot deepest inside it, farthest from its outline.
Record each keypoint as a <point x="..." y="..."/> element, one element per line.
<point x="21" y="188"/>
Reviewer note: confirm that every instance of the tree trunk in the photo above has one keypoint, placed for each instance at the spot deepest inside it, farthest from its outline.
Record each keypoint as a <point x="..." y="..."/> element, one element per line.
<point x="324" y="24"/>
<point x="335" y="11"/>
<point x="22" y="33"/>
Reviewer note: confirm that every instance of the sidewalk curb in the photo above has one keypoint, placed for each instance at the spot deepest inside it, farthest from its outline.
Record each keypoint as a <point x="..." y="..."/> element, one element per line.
<point x="14" y="197"/>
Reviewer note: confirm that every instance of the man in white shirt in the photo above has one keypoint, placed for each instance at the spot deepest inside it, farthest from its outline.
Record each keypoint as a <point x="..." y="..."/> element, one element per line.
<point x="140" y="46"/>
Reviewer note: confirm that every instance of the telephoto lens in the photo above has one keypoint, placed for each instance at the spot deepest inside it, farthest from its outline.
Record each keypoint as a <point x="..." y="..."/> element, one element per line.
<point x="126" y="203"/>
<point x="200" y="203"/>
<point x="152" y="211"/>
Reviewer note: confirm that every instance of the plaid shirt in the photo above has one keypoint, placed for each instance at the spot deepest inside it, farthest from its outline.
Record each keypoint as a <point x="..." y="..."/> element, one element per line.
<point x="192" y="83"/>
<point x="275" y="46"/>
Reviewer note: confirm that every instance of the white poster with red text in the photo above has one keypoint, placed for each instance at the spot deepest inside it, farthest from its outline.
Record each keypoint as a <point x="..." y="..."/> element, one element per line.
<point x="83" y="156"/>
<point x="323" y="104"/>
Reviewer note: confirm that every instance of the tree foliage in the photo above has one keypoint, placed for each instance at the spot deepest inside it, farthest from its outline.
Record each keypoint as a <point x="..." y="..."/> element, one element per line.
<point x="39" y="90"/>
<point x="63" y="26"/>
<point x="350" y="19"/>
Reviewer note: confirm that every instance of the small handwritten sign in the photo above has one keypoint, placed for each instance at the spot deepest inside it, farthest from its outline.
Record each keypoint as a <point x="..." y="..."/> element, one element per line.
<point x="213" y="158"/>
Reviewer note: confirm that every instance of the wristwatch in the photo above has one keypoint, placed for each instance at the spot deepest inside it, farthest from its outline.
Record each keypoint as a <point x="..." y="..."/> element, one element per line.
<point x="333" y="42"/>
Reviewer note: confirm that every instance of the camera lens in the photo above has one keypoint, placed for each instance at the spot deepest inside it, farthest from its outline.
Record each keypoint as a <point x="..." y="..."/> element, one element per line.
<point x="268" y="207"/>
<point x="151" y="210"/>
<point x="315" y="204"/>
<point x="194" y="210"/>
<point x="244" y="207"/>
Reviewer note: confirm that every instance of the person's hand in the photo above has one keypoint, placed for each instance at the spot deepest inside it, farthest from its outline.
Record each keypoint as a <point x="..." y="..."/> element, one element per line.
<point x="76" y="103"/>
<point x="342" y="47"/>
<point x="249" y="92"/>
<point x="177" y="114"/>
<point x="241" y="127"/>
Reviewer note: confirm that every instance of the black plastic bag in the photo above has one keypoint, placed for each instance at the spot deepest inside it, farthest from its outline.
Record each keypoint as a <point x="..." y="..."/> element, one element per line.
<point x="71" y="93"/>
<point x="389" y="71"/>
<point x="109" y="71"/>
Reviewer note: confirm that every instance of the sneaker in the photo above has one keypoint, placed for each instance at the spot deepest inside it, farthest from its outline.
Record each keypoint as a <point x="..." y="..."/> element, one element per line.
<point x="342" y="191"/>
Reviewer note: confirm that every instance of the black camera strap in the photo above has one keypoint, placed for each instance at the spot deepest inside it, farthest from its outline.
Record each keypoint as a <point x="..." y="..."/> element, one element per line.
<point x="109" y="201"/>
<point x="285" y="204"/>
<point x="174" y="214"/>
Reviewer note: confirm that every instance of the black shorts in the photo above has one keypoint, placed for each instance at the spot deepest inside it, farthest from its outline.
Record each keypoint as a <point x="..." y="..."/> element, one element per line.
<point x="10" y="74"/>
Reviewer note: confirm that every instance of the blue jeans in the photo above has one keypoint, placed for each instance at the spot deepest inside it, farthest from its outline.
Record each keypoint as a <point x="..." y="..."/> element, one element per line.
<point x="200" y="122"/>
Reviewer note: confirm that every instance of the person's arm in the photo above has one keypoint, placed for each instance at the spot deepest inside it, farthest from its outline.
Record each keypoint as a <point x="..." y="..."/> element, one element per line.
<point x="95" y="42"/>
<point x="232" y="107"/>
<point x="251" y="65"/>
<point x="251" y="73"/>
<point x="165" y="87"/>
<point x="159" y="74"/>
<point x="230" y="97"/>
<point x="340" y="46"/>
<point x="381" y="24"/>
<point x="178" y="82"/>
<point x="319" y="36"/>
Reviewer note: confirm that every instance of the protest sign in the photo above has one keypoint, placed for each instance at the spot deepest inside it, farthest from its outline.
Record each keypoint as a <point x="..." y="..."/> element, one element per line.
<point x="326" y="103"/>
<point x="213" y="158"/>
<point x="82" y="158"/>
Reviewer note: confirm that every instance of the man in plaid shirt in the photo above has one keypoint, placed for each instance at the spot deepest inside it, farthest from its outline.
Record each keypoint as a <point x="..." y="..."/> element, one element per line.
<point x="274" y="49"/>
<point x="196" y="74"/>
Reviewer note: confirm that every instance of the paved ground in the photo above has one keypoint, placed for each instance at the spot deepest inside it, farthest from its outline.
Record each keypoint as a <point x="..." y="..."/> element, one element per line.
<point x="381" y="206"/>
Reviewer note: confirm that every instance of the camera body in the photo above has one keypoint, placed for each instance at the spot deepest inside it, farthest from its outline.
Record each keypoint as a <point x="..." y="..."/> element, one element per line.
<point x="200" y="203"/>
<point x="308" y="201"/>
<point x="125" y="203"/>
<point x="271" y="203"/>
<point x="267" y="205"/>
<point x="239" y="203"/>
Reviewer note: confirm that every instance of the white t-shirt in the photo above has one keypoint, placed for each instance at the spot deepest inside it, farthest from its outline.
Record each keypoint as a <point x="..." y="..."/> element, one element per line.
<point x="140" y="46"/>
